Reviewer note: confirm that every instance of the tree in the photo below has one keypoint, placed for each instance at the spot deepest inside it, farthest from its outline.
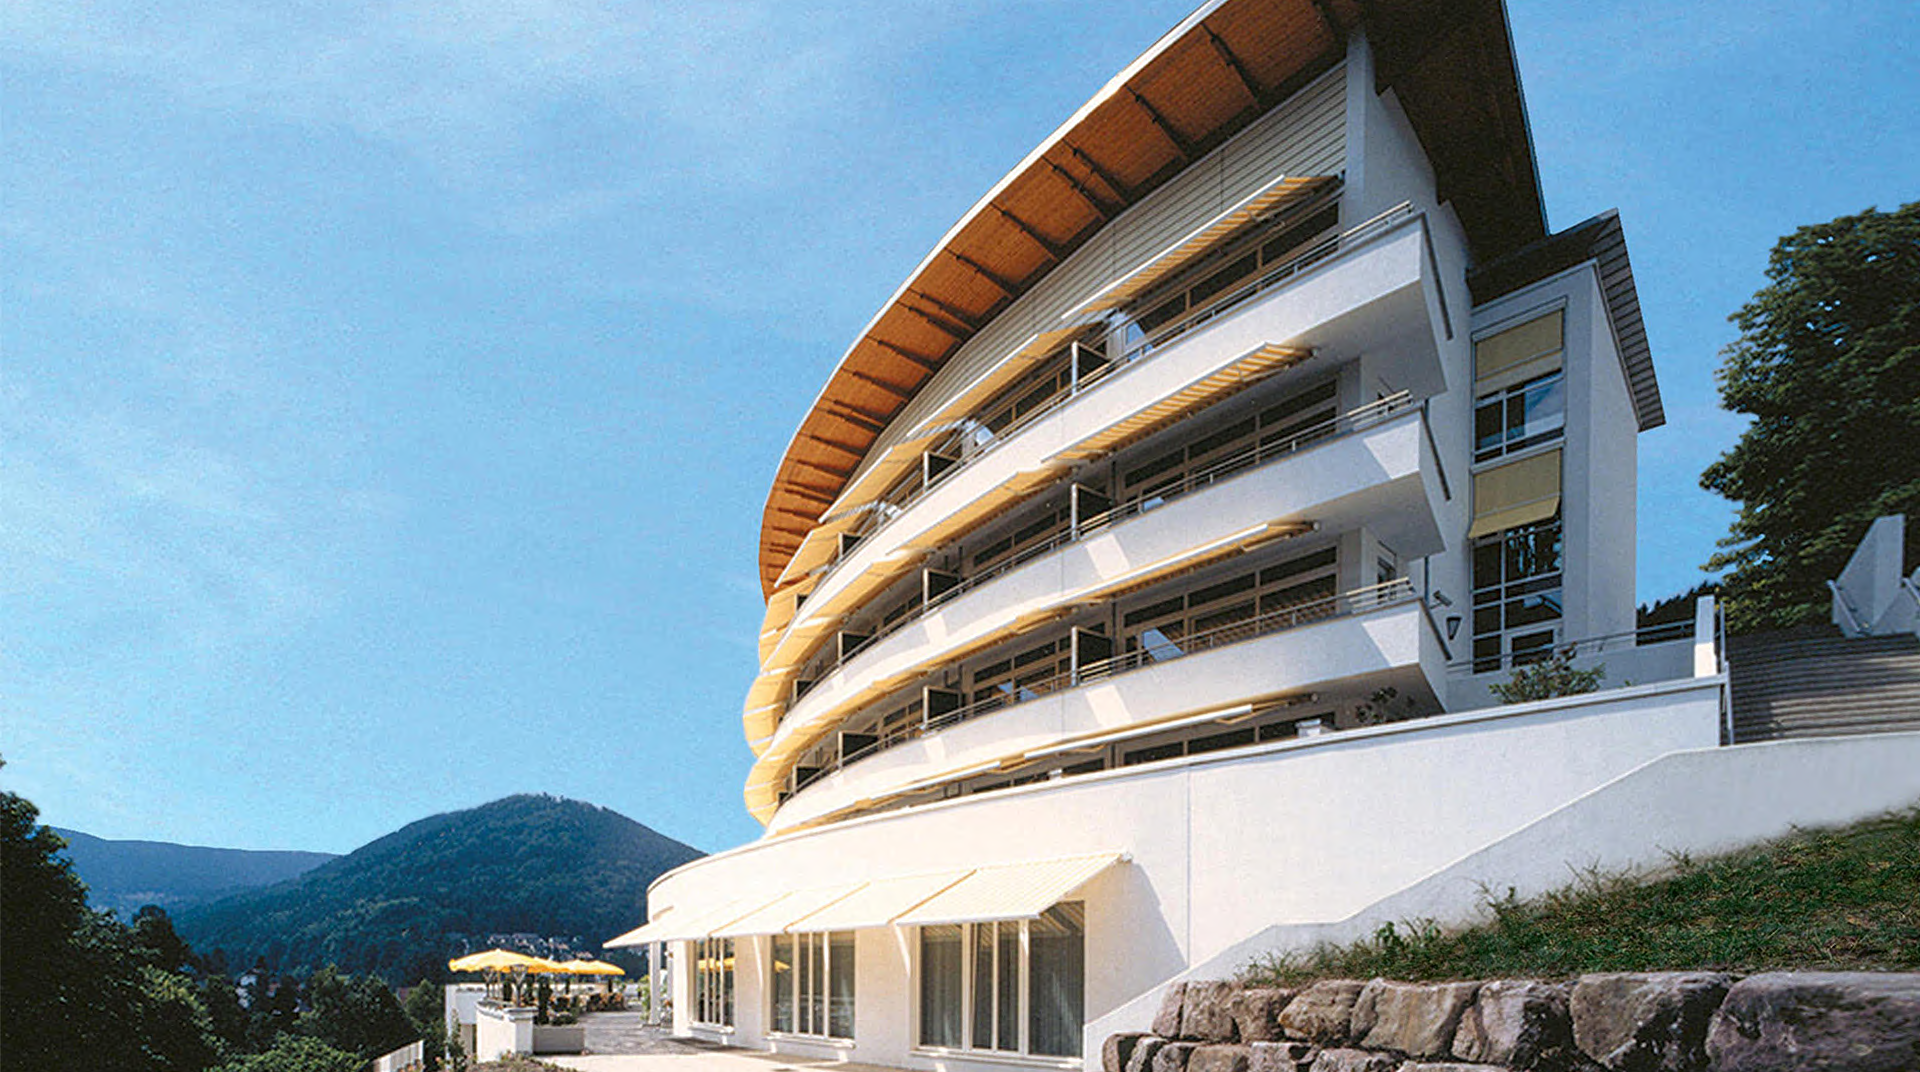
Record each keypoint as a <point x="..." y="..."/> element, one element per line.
<point x="426" y="1007"/>
<point x="294" y="1053"/>
<point x="1828" y="365"/>
<point x="77" y="991"/>
<point x="356" y="1014"/>
<point x="1547" y="679"/>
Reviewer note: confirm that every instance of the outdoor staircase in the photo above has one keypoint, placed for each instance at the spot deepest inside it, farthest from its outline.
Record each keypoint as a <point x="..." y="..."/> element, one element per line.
<point x="1815" y="682"/>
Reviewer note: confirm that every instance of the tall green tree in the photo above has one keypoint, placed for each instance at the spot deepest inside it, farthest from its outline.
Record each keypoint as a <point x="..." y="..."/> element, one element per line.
<point x="77" y="992"/>
<point x="1828" y="366"/>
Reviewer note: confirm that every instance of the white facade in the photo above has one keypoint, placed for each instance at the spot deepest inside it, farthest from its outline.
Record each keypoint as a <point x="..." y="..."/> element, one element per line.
<point x="1185" y="574"/>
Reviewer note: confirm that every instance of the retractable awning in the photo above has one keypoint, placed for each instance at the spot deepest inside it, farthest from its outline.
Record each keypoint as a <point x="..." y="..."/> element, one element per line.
<point x="679" y="925"/>
<point x="1010" y="891"/>
<point x="1276" y="196"/>
<point x="878" y="903"/>
<point x="1036" y="348"/>
<point x="778" y="917"/>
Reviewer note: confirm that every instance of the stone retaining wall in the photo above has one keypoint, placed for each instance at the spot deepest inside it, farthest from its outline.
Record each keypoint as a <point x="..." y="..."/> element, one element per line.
<point x="1620" y="1022"/>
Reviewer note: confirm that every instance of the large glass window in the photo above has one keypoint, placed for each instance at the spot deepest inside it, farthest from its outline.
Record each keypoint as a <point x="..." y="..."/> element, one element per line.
<point x="1516" y="595"/>
<point x="1223" y="281"/>
<point x="1163" y="628"/>
<point x="713" y="982"/>
<point x="1518" y="417"/>
<point x="942" y="989"/>
<point x="812" y="983"/>
<point x="1012" y="986"/>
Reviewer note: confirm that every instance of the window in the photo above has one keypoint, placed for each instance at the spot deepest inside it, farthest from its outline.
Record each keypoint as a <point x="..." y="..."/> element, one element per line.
<point x="1014" y="986"/>
<point x="1224" y="281"/>
<point x="1021" y="676"/>
<point x="1518" y="417"/>
<point x="713" y="982"/>
<point x="1303" y="417"/>
<point x="1162" y="628"/>
<point x="812" y="984"/>
<point x="1516" y="595"/>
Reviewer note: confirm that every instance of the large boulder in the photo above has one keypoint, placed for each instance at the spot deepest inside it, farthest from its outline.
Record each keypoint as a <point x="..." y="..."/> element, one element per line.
<point x="1117" y="1049"/>
<point x="1348" y="1060"/>
<point x="1323" y="1012"/>
<point x="1516" y="1023"/>
<point x="1166" y="1022"/>
<point x="1814" y="1021"/>
<point x="1219" y="1057"/>
<point x="1646" y="1021"/>
<point x="1256" y="1013"/>
<point x="1141" y="1059"/>
<point x="1417" y="1019"/>
<point x="1207" y="1013"/>
<point x="1280" y="1056"/>
<point x="1173" y="1056"/>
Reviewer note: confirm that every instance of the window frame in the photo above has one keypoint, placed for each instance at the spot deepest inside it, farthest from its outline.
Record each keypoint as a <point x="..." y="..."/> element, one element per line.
<point x="997" y="1005"/>
<point x="714" y="984"/>
<point x="1511" y="587"/>
<point x="810" y="979"/>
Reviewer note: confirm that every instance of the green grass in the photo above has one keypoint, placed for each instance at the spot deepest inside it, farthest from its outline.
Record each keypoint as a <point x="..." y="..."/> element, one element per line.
<point x="1846" y="898"/>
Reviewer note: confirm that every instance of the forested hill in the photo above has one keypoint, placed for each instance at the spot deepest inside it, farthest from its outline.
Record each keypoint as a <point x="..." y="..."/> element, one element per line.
<point x="534" y="864"/>
<point x="123" y="875"/>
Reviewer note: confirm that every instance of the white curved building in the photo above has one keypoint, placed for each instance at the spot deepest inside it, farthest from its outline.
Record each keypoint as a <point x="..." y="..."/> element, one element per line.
<point x="1135" y="582"/>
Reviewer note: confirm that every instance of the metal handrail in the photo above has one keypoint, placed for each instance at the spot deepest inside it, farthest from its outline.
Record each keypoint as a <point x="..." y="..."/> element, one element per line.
<point x="1255" y="456"/>
<point x="1357" y="601"/>
<point x="1590" y="645"/>
<point x="1283" y="272"/>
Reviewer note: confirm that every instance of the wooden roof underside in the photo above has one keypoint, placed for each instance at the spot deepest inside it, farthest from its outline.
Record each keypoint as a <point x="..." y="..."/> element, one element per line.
<point x="1224" y="67"/>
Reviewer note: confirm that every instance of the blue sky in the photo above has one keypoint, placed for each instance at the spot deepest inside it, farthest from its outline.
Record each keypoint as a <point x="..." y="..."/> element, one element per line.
<point x="389" y="391"/>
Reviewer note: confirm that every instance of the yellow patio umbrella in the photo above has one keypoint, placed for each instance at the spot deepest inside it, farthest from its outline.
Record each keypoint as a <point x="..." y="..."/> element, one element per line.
<point x="494" y="960"/>
<point x="592" y="967"/>
<point x="543" y="966"/>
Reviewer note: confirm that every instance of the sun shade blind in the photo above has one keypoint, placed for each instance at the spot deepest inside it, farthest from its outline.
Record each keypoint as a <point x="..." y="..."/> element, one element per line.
<point x="1519" y="353"/>
<point x="1010" y="891"/>
<point x="1518" y="493"/>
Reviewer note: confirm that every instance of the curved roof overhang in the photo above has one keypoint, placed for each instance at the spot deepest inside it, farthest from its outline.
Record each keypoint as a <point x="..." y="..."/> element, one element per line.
<point x="1223" y="67"/>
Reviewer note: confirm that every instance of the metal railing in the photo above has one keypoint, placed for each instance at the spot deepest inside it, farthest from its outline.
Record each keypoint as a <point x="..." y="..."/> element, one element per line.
<point x="1284" y="272"/>
<point x="1592" y="645"/>
<point x="1345" y="604"/>
<point x="1298" y="262"/>
<point x="1253" y="457"/>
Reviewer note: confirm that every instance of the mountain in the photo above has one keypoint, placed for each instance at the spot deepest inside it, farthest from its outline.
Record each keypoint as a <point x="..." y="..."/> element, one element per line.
<point x="123" y="875"/>
<point x="524" y="864"/>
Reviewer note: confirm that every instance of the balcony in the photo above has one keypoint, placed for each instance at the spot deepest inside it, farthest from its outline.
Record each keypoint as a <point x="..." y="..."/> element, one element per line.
<point x="1371" y="466"/>
<point x="1370" y="288"/>
<point x="1362" y="633"/>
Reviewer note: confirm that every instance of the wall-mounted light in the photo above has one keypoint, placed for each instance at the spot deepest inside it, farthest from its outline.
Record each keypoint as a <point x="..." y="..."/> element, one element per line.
<point x="1453" y="626"/>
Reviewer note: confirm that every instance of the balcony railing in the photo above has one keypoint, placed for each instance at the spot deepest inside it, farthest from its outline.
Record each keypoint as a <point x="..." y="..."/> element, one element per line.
<point x="1284" y="272"/>
<point x="1346" y="604"/>
<point x="1253" y="457"/>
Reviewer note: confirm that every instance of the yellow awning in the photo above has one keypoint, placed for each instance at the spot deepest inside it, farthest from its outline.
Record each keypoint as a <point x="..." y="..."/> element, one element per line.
<point x="1275" y="196"/>
<point x="878" y="903"/>
<point x="777" y="917"/>
<point x="1518" y="493"/>
<point x="1519" y="353"/>
<point x="1036" y="348"/>
<point x="1010" y="891"/>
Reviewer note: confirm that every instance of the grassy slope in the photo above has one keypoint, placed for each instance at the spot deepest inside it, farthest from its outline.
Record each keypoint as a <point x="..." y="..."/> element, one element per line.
<point x="1833" y="899"/>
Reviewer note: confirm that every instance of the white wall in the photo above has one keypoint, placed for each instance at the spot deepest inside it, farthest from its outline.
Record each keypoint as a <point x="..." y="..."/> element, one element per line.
<point x="1698" y="801"/>
<point x="1319" y="827"/>
<point x="501" y="1030"/>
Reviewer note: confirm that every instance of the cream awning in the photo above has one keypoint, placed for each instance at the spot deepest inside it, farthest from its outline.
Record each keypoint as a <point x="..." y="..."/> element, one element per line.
<point x="1519" y="353"/>
<point x="1518" y="493"/>
<point x="1009" y="891"/>
<point x="679" y="925"/>
<point x="878" y="903"/>
<point x="1037" y="347"/>
<point x="778" y="916"/>
<point x="1276" y="195"/>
